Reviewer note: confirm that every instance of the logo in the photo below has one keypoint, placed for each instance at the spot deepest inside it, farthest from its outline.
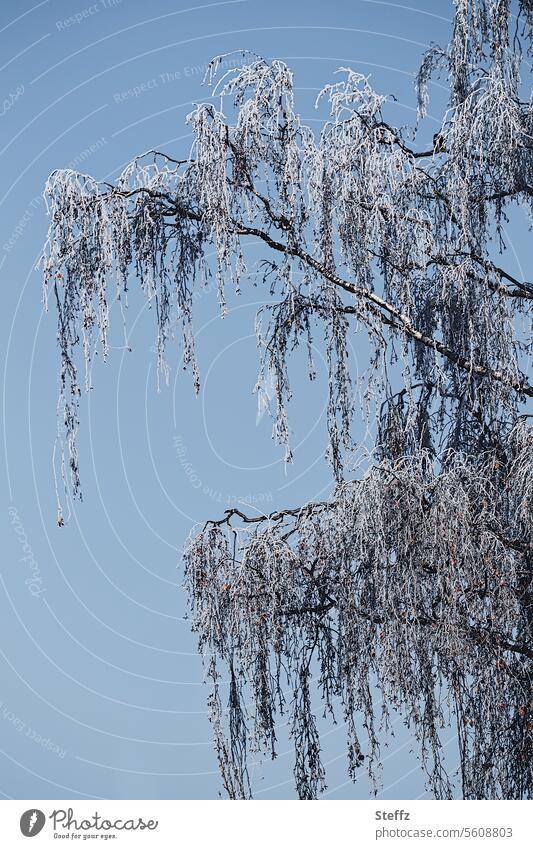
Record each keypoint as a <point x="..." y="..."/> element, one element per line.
<point x="32" y="822"/>
<point x="65" y="824"/>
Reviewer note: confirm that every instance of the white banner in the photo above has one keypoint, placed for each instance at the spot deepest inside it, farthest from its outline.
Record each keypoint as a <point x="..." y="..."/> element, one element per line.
<point x="254" y="825"/>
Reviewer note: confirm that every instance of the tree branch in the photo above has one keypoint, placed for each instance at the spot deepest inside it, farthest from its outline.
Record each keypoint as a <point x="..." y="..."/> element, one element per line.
<point x="398" y="322"/>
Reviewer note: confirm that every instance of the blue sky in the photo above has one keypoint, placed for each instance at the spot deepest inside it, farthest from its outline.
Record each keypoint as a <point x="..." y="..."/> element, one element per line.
<point x="102" y="690"/>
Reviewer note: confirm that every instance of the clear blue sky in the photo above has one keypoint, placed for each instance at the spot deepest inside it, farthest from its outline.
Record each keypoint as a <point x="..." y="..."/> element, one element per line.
<point x="102" y="692"/>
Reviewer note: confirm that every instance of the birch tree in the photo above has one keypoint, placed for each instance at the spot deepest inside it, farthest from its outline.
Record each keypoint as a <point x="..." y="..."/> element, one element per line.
<point x="410" y="589"/>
